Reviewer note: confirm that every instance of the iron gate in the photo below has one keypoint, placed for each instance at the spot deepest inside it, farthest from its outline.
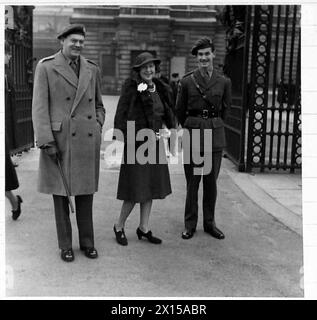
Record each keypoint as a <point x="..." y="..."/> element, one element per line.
<point x="19" y="37"/>
<point x="265" y="74"/>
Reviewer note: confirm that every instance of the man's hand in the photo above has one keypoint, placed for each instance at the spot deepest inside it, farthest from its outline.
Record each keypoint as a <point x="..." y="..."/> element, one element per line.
<point x="52" y="151"/>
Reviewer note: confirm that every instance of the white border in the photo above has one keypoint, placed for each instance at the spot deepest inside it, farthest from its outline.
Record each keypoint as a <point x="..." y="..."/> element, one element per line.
<point x="309" y="135"/>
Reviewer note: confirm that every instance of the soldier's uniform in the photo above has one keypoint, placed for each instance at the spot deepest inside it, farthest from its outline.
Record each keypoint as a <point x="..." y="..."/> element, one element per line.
<point x="197" y="112"/>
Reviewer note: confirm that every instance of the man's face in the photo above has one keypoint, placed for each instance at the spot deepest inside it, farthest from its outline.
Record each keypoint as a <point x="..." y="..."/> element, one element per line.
<point x="205" y="58"/>
<point x="73" y="45"/>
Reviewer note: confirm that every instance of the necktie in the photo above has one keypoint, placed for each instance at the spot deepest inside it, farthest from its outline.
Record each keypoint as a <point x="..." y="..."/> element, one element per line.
<point x="74" y="66"/>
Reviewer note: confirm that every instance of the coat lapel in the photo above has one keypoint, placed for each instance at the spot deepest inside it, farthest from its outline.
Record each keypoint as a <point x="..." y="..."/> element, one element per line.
<point x="83" y="82"/>
<point x="63" y="68"/>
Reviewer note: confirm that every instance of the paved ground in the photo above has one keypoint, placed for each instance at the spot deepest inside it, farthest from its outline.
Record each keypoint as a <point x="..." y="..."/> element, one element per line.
<point x="260" y="257"/>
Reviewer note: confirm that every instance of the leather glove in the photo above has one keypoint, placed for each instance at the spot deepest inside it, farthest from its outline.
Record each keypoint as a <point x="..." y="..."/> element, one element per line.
<point x="52" y="151"/>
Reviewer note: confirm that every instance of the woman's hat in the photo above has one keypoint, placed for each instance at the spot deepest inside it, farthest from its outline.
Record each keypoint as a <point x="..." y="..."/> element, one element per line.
<point x="144" y="58"/>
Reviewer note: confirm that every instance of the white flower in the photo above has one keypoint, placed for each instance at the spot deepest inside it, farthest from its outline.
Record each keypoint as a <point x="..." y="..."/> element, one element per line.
<point x="142" y="87"/>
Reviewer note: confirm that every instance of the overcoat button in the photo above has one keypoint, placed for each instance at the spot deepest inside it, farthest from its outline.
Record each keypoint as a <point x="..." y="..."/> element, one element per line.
<point x="89" y="117"/>
<point x="72" y="116"/>
<point x="90" y="99"/>
<point x="90" y="134"/>
<point x="73" y="134"/>
<point x="68" y="98"/>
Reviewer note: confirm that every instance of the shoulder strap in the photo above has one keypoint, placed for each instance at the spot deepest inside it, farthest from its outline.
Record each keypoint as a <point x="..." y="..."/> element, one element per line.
<point x="199" y="88"/>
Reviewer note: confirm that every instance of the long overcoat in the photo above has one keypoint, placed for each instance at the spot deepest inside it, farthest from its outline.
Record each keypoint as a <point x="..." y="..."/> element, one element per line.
<point x="218" y="93"/>
<point x="70" y="112"/>
<point x="143" y="182"/>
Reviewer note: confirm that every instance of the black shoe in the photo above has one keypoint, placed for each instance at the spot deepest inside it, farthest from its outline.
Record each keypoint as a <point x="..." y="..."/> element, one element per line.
<point x="215" y="232"/>
<point x="67" y="255"/>
<point x="188" y="234"/>
<point x="16" y="213"/>
<point x="120" y="236"/>
<point x="90" y="252"/>
<point x="147" y="235"/>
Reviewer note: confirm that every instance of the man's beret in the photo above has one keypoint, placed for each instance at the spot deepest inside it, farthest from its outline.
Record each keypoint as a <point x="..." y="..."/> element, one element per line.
<point x="202" y="43"/>
<point x="72" y="29"/>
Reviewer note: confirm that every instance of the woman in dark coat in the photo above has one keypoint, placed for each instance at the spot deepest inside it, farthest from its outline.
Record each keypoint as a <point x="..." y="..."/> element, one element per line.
<point x="11" y="179"/>
<point x="144" y="102"/>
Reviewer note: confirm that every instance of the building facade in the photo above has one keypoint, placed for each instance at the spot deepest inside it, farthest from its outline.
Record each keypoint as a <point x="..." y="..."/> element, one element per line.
<point x="117" y="34"/>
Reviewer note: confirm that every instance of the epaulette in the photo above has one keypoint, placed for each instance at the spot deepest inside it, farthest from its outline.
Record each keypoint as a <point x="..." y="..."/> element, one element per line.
<point x="90" y="61"/>
<point x="47" y="58"/>
<point x="188" y="73"/>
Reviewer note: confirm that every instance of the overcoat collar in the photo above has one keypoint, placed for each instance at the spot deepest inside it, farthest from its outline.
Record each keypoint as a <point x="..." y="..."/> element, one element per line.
<point x="81" y="84"/>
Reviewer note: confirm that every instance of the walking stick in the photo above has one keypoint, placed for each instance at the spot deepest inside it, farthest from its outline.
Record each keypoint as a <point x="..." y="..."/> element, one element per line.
<point x="65" y="185"/>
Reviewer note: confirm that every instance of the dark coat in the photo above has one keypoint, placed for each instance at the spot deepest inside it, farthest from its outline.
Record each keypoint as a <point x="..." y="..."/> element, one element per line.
<point x="70" y="112"/>
<point x="10" y="111"/>
<point x="218" y="93"/>
<point x="142" y="182"/>
<point x="138" y="106"/>
<point x="11" y="179"/>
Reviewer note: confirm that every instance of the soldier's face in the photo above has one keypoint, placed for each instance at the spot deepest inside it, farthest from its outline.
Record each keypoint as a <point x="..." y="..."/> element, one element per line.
<point x="73" y="45"/>
<point x="205" y="58"/>
<point x="147" y="72"/>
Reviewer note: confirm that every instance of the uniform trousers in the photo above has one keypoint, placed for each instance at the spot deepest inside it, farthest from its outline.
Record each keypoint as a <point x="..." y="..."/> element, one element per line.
<point x="209" y="193"/>
<point x="83" y="210"/>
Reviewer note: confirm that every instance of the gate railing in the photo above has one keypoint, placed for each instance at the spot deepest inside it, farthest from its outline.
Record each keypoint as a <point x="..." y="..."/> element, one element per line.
<point x="274" y="128"/>
<point x="263" y="127"/>
<point x="21" y="65"/>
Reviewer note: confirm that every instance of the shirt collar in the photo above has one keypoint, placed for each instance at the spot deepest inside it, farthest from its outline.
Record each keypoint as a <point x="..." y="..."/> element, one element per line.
<point x="210" y="72"/>
<point x="69" y="60"/>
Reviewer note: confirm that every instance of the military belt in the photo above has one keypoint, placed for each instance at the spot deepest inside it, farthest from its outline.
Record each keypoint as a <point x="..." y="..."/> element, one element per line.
<point x="205" y="114"/>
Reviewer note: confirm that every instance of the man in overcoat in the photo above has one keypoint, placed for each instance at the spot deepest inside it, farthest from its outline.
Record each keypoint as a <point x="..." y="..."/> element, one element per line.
<point x="203" y="99"/>
<point x="68" y="116"/>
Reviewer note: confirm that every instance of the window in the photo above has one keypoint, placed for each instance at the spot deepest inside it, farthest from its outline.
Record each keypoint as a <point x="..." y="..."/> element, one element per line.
<point x="108" y="65"/>
<point x="108" y="36"/>
<point x="179" y="38"/>
<point x="144" y="36"/>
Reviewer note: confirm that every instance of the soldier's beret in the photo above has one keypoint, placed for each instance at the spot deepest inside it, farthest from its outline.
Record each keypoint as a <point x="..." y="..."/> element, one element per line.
<point x="72" y="29"/>
<point x="202" y="43"/>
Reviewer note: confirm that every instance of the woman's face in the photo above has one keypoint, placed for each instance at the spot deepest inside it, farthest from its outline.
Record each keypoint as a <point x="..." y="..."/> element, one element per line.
<point x="147" y="72"/>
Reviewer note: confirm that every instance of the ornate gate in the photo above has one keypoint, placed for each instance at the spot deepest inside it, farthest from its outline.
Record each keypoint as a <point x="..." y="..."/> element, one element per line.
<point x="266" y="98"/>
<point x="19" y="35"/>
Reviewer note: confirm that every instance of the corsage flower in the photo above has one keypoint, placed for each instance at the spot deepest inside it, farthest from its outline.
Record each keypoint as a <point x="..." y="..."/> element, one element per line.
<point x="142" y="87"/>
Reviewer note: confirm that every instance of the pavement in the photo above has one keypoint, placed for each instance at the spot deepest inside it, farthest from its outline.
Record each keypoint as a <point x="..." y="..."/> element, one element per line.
<point x="261" y="256"/>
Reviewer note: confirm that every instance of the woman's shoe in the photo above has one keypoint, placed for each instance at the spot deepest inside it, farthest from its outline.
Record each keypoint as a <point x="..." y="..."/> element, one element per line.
<point x="120" y="236"/>
<point x="16" y="213"/>
<point x="147" y="235"/>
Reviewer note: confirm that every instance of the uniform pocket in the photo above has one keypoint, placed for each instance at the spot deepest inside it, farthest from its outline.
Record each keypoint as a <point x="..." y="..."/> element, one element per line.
<point x="56" y="126"/>
<point x="217" y="123"/>
<point x="192" y="122"/>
